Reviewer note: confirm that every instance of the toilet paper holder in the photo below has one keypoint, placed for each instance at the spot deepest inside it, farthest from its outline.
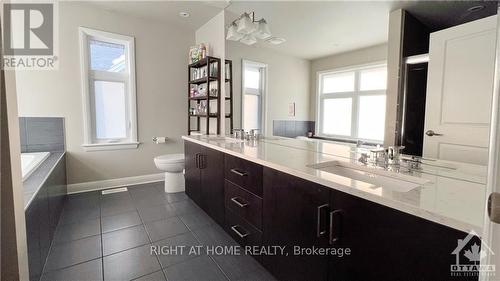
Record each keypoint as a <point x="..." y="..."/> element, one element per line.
<point x="158" y="140"/>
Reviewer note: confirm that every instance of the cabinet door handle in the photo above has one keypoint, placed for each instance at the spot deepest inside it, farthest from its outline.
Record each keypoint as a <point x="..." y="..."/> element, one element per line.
<point x="333" y="237"/>
<point x="197" y="160"/>
<point x="239" y="173"/>
<point x="237" y="200"/>
<point x="320" y="232"/>
<point x="203" y="162"/>
<point x="239" y="233"/>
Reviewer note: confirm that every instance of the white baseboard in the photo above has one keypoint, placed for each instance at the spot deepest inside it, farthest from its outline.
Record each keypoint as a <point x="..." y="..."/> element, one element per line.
<point x="106" y="184"/>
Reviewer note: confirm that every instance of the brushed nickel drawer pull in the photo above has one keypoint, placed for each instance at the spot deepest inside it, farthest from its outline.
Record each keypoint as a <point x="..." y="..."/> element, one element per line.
<point x="239" y="173"/>
<point x="319" y="231"/>
<point x="237" y="202"/>
<point x="333" y="237"/>
<point x="235" y="229"/>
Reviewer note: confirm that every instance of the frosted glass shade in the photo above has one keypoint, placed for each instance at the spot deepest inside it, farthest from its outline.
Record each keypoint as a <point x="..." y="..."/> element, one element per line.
<point x="232" y="33"/>
<point x="246" y="25"/>
<point x="263" y="32"/>
<point x="248" y="39"/>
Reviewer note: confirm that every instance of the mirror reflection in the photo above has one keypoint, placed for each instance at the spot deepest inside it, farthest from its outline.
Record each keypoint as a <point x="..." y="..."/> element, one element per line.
<point x="328" y="75"/>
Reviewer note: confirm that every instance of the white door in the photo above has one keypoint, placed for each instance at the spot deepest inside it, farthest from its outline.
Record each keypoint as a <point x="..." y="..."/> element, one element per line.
<point x="459" y="92"/>
<point x="491" y="229"/>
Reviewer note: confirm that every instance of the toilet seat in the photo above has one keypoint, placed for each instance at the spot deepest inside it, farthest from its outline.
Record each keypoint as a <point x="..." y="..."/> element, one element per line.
<point x="170" y="158"/>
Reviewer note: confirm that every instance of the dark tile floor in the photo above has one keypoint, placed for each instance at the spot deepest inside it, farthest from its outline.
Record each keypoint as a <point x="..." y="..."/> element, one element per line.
<point x="109" y="237"/>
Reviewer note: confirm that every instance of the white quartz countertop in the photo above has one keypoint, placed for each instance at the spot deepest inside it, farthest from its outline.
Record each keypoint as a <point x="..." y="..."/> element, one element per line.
<point x="454" y="198"/>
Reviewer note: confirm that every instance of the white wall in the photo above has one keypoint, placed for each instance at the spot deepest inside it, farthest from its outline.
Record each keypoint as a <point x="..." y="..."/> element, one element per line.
<point x="367" y="55"/>
<point x="161" y="59"/>
<point x="287" y="77"/>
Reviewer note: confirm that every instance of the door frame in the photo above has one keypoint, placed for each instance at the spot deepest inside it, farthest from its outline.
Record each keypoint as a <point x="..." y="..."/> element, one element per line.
<point x="263" y="117"/>
<point x="492" y="229"/>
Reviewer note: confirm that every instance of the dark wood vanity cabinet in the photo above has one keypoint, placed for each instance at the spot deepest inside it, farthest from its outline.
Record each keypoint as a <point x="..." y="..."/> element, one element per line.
<point x="384" y="244"/>
<point x="387" y="244"/>
<point x="295" y="214"/>
<point x="204" y="179"/>
<point x="261" y="206"/>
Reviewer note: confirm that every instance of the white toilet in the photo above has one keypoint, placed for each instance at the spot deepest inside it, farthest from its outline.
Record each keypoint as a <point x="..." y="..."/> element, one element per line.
<point x="173" y="166"/>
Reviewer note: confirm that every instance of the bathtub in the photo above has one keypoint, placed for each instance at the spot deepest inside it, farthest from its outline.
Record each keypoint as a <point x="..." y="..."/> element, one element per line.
<point x="31" y="161"/>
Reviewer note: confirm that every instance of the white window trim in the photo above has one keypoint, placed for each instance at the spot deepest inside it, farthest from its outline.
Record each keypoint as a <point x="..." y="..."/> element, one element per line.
<point x="263" y="95"/>
<point x="88" y="143"/>
<point x="354" y="95"/>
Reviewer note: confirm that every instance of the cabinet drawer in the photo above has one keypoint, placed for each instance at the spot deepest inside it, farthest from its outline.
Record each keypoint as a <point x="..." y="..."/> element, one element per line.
<point x="241" y="231"/>
<point x="244" y="173"/>
<point x="243" y="203"/>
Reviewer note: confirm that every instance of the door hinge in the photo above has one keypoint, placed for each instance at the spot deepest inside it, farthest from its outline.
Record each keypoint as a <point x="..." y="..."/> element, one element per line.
<point x="494" y="207"/>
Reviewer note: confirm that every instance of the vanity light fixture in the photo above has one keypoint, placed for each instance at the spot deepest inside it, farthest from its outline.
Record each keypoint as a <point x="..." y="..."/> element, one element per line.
<point x="263" y="32"/>
<point x="275" y="40"/>
<point x="232" y="33"/>
<point x="246" y="29"/>
<point x="248" y="39"/>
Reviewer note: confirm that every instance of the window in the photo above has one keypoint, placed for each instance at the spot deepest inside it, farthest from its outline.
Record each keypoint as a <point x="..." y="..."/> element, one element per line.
<point x="351" y="103"/>
<point x="108" y="85"/>
<point x="253" y="93"/>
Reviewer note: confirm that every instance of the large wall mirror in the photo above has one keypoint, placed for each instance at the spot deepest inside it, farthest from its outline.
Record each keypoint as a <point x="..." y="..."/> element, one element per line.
<point x="382" y="72"/>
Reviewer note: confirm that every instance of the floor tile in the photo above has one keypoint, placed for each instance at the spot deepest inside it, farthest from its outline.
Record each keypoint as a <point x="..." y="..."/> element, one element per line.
<point x="74" y="252"/>
<point x="159" y="230"/>
<point x="148" y="199"/>
<point x="156" y="276"/>
<point x="75" y="231"/>
<point x="175" y="197"/>
<point x="115" y="208"/>
<point x="213" y="235"/>
<point x="200" y="268"/>
<point x="238" y="267"/>
<point x="196" y="220"/>
<point x="69" y="216"/>
<point x="158" y="212"/>
<point x="184" y="207"/>
<point x="170" y="253"/>
<point x="123" y="220"/>
<point x="124" y="239"/>
<point x="130" y="264"/>
<point x="87" y="271"/>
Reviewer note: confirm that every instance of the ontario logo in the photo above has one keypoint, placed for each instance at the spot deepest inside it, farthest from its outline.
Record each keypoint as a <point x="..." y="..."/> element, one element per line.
<point x="30" y="39"/>
<point x="470" y="256"/>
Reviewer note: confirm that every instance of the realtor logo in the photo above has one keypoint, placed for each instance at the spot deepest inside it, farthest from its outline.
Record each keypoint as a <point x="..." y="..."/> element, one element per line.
<point x="30" y="34"/>
<point x="29" y="29"/>
<point x="468" y="256"/>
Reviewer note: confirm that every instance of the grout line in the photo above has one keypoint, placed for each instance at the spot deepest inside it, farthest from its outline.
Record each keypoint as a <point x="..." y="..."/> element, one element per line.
<point x="149" y="238"/>
<point x="78" y="263"/>
<point x="102" y="242"/>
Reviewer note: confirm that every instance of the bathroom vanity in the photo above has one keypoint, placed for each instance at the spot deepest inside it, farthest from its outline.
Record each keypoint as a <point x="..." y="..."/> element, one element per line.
<point x="296" y="193"/>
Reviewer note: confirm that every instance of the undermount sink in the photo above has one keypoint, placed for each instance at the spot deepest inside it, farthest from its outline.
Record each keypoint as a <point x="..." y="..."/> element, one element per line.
<point x="378" y="177"/>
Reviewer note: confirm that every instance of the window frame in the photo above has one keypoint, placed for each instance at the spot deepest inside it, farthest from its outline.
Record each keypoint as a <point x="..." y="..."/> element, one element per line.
<point x="354" y="95"/>
<point x="88" y="76"/>
<point x="262" y="94"/>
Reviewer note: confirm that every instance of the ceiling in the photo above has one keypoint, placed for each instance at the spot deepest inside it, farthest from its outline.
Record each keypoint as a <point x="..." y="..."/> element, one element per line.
<point x="317" y="29"/>
<point x="166" y="11"/>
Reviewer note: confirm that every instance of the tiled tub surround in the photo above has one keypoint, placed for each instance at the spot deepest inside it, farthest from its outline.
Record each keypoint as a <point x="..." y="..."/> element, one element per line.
<point x="108" y="237"/>
<point x="40" y="134"/>
<point x="292" y="128"/>
<point x="45" y="193"/>
<point x="453" y="199"/>
<point x="45" y="188"/>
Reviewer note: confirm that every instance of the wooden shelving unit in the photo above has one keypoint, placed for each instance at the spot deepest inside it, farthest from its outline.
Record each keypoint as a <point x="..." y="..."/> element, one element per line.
<point x="210" y="78"/>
